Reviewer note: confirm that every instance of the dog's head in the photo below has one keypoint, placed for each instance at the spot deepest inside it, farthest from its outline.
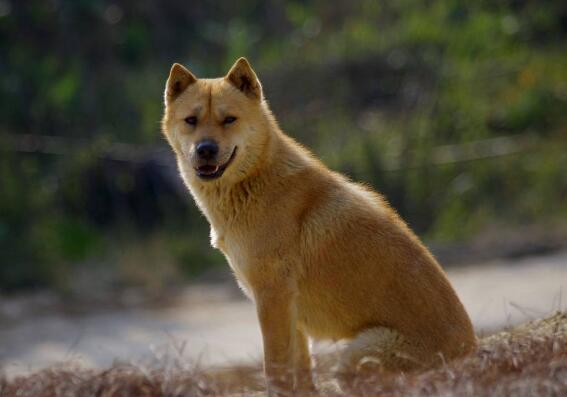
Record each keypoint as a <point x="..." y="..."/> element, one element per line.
<point x="217" y="127"/>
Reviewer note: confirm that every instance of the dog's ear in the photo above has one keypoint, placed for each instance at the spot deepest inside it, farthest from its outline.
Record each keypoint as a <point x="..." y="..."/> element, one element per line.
<point x="179" y="79"/>
<point x="242" y="76"/>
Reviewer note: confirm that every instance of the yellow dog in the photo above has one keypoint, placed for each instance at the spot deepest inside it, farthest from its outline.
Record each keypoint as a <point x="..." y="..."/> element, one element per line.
<point x="321" y="256"/>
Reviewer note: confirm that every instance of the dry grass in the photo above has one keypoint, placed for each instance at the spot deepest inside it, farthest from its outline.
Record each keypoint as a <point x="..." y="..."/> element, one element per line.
<point x="530" y="360"/>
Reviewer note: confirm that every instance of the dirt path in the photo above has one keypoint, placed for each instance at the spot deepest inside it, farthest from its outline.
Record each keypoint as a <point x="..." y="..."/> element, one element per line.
<point x="209" y="325"/>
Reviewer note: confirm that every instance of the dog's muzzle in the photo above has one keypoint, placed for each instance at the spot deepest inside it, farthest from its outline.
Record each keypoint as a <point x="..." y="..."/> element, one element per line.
<point x="210" y="171"/>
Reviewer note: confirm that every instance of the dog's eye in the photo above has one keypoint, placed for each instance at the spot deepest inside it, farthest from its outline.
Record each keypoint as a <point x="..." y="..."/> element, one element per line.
<point x="191" y="120"/>
<point x="229" y="120"/>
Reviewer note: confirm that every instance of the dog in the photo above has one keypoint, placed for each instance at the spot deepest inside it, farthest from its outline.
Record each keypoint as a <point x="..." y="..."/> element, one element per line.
<point x="321" y="256"/>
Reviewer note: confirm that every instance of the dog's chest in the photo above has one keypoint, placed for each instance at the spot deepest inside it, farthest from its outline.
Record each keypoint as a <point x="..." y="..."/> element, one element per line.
<point x="236" y="252"/>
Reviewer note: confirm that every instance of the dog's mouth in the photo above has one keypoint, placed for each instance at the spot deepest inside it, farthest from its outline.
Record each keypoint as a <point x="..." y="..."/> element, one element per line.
<point x="212" y="171"/>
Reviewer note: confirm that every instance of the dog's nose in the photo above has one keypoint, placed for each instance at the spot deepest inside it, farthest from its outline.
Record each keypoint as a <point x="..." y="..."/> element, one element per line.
<point x="207" y="149"/>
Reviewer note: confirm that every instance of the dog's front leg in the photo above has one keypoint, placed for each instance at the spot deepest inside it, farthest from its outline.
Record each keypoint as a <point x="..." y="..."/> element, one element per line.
<point x="303" y="377"/>
<point x="276" y="315"/>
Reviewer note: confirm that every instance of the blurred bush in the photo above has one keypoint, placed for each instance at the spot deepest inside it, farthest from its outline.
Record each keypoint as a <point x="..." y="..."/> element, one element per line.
<point x="455" y="111"/>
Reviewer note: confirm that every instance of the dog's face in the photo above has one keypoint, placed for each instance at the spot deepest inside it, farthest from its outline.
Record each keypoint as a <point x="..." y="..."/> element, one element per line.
<point x="215" y="126"/>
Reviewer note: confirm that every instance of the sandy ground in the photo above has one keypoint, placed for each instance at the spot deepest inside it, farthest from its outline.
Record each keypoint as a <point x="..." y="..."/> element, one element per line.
<point x="211" y="324"/>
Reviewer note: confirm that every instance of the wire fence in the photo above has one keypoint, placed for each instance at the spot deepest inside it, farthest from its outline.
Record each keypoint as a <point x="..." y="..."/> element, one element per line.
<point x="484" y="149"/>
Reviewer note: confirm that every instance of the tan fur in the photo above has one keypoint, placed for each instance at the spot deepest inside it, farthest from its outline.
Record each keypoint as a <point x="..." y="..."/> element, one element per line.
<point x="321" y="256"/>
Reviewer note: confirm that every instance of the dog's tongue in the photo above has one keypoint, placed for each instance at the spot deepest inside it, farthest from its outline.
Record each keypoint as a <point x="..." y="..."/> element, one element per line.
<point x="208" y="169"/>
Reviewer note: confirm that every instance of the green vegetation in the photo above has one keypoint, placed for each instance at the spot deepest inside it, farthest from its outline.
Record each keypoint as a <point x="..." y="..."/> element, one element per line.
<point x="455" y="111"/>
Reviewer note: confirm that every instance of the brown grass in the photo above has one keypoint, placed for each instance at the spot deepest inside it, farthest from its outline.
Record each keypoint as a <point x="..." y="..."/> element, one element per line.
<point x="530" y="360"/>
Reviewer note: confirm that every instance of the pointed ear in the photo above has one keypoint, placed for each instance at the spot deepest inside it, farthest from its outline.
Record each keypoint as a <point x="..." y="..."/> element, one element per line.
<point x="179" y="79"/>
<point x="243" y="77"/>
